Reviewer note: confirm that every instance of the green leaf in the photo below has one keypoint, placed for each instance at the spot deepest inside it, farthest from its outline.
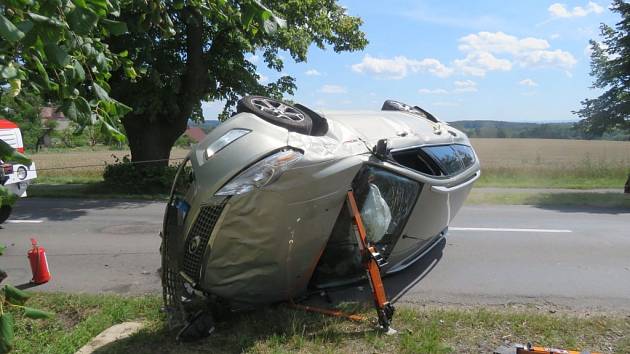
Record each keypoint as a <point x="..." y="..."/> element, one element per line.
<point x="9" y="154"/>
<point x="15" y="296"/>
<point x="8" y="71"/>
<point x="42" y="71"/>
<point x="84" y="111"/>
<point x="8" y="30"/>
<point x="45" y="20"/>
<point x="78" y="72"/>
<point x="25" y="26"/>
<point x="82" y="21"/>
<point x="36" y="314"/>
<point x="115" y="28"/>
<point x="100" y="92"/>
<point x="130" y="72"/>
<point x="7" y="197"/>
<point x="3" y="247"/>
<point x="7" y="337"/>
<point x="56" y="54"/>
<point x="15" y="87"/>
<point x="80" y="3"/>
<point x="109" y="129"/>
<point x="99" y="6"/>
<point x="178" y="4"/>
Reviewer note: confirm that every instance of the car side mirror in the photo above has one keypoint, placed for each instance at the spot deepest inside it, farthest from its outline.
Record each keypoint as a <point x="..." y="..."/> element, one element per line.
<point x="381" y="150"/>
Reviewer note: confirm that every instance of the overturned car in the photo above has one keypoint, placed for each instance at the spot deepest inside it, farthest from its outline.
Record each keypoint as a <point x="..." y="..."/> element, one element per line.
<point x="256" y="214"/>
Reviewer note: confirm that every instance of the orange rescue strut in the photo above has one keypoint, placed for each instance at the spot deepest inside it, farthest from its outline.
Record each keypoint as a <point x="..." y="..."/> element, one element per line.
<point x="372" y="262"/>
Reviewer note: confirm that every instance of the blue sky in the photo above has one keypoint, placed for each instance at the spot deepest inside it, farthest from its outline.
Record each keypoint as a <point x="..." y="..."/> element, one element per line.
<point x="501" y="60"/>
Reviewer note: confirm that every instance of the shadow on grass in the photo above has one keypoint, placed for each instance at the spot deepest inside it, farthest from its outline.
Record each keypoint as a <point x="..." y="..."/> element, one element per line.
<point x="266" y="329"/>
<point x="594" y="203"/>
<point x="276" y="328"/>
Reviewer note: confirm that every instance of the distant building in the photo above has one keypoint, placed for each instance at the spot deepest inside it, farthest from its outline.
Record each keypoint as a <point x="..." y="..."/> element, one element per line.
<point x="51" y="114"/>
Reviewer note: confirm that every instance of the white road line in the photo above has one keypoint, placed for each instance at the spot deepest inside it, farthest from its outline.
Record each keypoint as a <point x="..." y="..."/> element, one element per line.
<point x="491" y="229"/>
<point x="24" y="221"/>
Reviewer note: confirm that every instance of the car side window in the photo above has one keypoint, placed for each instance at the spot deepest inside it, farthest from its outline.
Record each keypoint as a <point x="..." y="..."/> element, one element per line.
<point x="399" y="194"/>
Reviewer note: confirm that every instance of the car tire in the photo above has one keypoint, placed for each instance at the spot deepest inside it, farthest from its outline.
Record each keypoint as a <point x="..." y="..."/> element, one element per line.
<point x="276" y="112"/>
<point x="392" y="105"/>
<point x="5" y="212"/>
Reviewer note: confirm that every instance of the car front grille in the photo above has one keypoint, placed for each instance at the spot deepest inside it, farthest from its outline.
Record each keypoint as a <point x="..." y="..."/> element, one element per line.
<point x="198" y="238"/>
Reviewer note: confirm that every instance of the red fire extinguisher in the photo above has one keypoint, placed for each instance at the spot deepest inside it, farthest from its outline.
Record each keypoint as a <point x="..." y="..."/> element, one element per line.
<point x="39" y="264"/>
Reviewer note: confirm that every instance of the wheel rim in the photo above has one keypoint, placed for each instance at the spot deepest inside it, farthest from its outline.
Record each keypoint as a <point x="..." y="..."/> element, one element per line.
<point x="407" y="108"/>
<point x="278" y="109"/>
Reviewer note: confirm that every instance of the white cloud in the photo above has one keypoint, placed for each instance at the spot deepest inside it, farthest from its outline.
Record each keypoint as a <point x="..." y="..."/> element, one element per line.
<point x="465" y="86"/>
<point x="528" y="82"/>
<point x="548" y="58"/>
<point x="554" y="36"/>
<point x="425" y="91"/>
<point x="499" y="42"/>
<point x="312" y="72"/>
<point x="262" y="78"/>
<point x="483" y="47"/>
<point x="478" y="63"/>
<point x="333" y="89"/>
<point x="561" y="11"/>
<point x="483" y="52"/>
<point x="400" y="66"/>
<point x="460" y="86"/>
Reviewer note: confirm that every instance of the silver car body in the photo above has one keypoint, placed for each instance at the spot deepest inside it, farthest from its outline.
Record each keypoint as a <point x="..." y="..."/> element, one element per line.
<point x="265" y="245"/>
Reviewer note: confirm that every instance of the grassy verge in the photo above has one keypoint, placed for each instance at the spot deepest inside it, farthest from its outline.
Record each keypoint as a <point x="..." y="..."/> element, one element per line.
<point x="581" y="177"/>
<point x="598" y="200"/>
<point x="282" y="330"/>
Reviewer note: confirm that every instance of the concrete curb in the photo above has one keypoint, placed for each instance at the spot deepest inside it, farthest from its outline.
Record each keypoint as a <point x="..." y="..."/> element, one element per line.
<point x="112" y="334"/>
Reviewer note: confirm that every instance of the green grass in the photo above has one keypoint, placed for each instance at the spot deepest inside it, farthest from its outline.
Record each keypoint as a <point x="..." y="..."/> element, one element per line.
<point x="76" y="179"/>
<point x="78" y="318"/>
<point x="282" y="330"/>
<point x="598" y="200"/>
<point x="584" y="176"/>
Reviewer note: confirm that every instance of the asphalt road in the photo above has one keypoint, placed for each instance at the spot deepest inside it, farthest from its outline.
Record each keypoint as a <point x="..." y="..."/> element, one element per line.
<point x="577" y="258"/>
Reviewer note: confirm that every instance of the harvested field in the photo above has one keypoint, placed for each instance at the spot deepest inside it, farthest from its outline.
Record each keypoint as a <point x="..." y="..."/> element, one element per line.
<point x="64" y="164"/>
<point x="535" y="163"/>
<point x="551" y="153"/>
<point x="553" y="163"/>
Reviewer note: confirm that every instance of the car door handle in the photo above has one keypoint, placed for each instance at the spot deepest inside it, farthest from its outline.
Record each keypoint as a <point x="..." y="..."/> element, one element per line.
<point x="442" y="189"/>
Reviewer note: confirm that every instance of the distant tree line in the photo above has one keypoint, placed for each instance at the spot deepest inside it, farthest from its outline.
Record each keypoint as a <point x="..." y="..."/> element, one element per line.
<point x="501" y="129"/>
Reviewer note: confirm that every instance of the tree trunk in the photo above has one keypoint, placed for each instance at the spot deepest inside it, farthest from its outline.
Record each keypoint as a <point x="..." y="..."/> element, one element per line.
<point x="151" y="142"/>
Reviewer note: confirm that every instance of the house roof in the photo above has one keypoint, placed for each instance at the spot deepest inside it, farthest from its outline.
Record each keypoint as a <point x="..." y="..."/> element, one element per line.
<point x="195" y="133"/>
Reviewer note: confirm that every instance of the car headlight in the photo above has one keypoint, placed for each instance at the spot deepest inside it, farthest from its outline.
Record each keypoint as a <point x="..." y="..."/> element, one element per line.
<point x="262" y="173"/>
<point x="21" y="173"/>
<point x="225" y="140"/>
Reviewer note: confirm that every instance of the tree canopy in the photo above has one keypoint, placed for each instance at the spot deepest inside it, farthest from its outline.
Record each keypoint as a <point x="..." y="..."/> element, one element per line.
<point x="205" y="58"/>
<point x="55" y="49"/>
<point x="154" y="61"/>
<point x="610" y="65"/>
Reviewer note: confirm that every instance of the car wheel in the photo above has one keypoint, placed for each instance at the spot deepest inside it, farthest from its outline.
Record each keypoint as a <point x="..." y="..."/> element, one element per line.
<point x="5" y="212"/>
<point x="276" y="112"/>
<point x="391" y="105"/>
